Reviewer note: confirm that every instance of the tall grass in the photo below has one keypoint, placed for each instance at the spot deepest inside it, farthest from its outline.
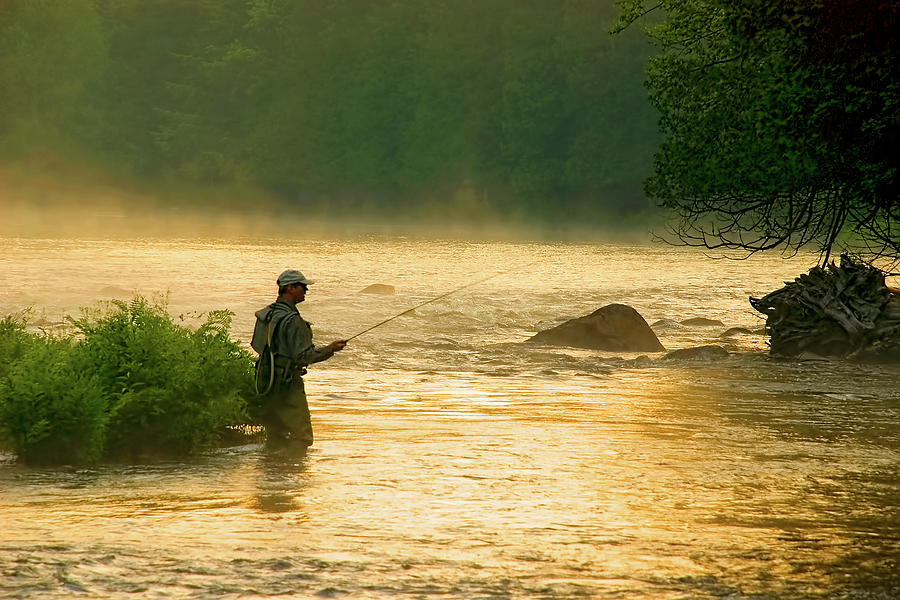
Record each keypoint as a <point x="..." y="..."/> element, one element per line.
<point x="127" y="381"/>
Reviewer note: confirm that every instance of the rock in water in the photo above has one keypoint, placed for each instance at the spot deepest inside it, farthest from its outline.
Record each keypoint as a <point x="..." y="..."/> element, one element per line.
<point x="667" y="323"/>
<point x="614" y="327"/>
<point x="379" y="288"/>
<point x="735" y="331"/>
<point x="712" y="352"/>
<point x="703" y="322"/>
<point x="115" y="292"/>
<point x="842" y="311"/>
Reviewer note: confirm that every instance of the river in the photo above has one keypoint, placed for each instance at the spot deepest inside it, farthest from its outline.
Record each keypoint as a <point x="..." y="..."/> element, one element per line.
<point x="454" y="461"/>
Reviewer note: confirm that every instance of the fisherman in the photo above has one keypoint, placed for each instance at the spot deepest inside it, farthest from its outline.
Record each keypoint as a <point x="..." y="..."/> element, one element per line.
<point x="289" y="337"/>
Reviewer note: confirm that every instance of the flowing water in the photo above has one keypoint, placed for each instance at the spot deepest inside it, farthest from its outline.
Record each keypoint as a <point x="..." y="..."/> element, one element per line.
<point x="454" y="461"/>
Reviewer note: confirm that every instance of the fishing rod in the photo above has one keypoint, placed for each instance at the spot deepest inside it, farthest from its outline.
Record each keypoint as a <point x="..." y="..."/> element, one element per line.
<point x="409" y="310"/>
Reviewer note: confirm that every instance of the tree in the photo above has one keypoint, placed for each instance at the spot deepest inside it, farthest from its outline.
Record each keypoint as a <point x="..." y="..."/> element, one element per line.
<point x="51" y="55"/>
<point x="433" y="107"/>
<point x="175" y="92"/>
<point x="780" y="122"/>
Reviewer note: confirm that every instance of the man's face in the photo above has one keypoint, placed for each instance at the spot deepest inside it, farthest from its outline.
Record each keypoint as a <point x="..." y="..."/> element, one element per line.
<point x="298" y="292"/>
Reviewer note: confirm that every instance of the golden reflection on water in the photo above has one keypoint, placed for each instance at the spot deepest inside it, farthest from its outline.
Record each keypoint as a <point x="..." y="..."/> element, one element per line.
<point x="452" y="460"/>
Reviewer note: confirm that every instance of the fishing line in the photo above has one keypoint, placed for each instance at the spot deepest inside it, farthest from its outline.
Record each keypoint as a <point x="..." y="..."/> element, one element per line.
<point x="409" y="310"/>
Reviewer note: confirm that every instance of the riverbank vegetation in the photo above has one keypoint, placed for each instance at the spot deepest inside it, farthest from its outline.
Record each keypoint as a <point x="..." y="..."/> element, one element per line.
<point x="442" y="109"/>
<point x="127" y="381"/>
<point x="780" y="122"/>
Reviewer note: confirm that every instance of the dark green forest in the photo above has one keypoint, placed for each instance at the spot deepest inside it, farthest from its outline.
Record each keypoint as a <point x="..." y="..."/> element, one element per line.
<point x="512" y="108"/>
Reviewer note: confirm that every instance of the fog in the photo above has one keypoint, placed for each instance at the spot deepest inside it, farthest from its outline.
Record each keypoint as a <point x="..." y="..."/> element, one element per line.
<point x="37" y="207"/>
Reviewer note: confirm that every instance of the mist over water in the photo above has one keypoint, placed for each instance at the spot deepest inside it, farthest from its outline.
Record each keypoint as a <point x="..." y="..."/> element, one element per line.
<point x="452" y="460"/>
<point x="88" y="205"/>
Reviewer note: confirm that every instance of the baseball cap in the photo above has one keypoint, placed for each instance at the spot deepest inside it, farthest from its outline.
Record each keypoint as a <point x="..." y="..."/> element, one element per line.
<point x="292" y="276"/>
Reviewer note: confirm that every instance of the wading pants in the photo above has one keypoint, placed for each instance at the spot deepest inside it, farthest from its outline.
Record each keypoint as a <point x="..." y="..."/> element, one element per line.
<point x="288" y="419"/>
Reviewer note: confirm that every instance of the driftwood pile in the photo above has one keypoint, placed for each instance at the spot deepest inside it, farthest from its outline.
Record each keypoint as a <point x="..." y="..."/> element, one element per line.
<point x="835" y="311"/>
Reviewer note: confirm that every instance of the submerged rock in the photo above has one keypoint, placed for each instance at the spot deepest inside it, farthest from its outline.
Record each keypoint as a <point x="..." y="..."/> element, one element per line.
<point x="667" y="324"/>
<point x="738" y="331"/>
<point x="114" y="291"/>
<point x="615" y="327"/>
<point x="641" y="361"/>
<point x="711" y="352"/>
<point x="379" y="288"/>
<point x="703" y="322"/>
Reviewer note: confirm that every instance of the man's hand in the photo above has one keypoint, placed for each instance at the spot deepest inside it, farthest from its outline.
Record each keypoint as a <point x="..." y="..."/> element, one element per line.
<point x="337" y="345"/>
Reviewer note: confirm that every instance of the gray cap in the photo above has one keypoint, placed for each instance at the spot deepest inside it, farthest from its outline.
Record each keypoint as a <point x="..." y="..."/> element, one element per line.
<point x="292" y="276"/>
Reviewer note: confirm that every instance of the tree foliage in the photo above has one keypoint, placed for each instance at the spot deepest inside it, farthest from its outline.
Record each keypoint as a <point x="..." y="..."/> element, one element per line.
<point x="52" y="53"/>
<point x="780" y="121"/>
<point x="526" y="104"/>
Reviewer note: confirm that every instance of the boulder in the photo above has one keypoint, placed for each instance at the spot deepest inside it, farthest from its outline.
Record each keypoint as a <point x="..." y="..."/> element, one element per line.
<point x="379" y="288"/>
<point x="699" y="353"/>
<point x="703" y="322"/>
<point x="614" y="327"/>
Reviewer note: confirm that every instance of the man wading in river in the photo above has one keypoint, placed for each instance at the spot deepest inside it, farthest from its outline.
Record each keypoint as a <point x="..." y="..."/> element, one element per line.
<point x="284" y="341"/>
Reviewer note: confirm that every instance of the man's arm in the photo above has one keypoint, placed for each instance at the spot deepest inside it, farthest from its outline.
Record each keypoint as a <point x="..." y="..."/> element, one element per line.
<point x="297" y="340"/>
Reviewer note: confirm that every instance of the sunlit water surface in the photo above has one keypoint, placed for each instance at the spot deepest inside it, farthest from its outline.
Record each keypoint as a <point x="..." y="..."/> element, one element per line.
<point x="454" y="461"/>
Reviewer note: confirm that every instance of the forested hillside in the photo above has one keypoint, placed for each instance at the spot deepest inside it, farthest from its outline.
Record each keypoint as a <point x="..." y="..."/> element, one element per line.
<point x="514" y="107"/>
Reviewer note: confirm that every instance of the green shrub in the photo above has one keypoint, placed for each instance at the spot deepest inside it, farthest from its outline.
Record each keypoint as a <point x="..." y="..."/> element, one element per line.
<point x="173" y="390"/>
<point x="14" y="341"/>
<point x="129" y="381"/>
<point x="51" y="410"/>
